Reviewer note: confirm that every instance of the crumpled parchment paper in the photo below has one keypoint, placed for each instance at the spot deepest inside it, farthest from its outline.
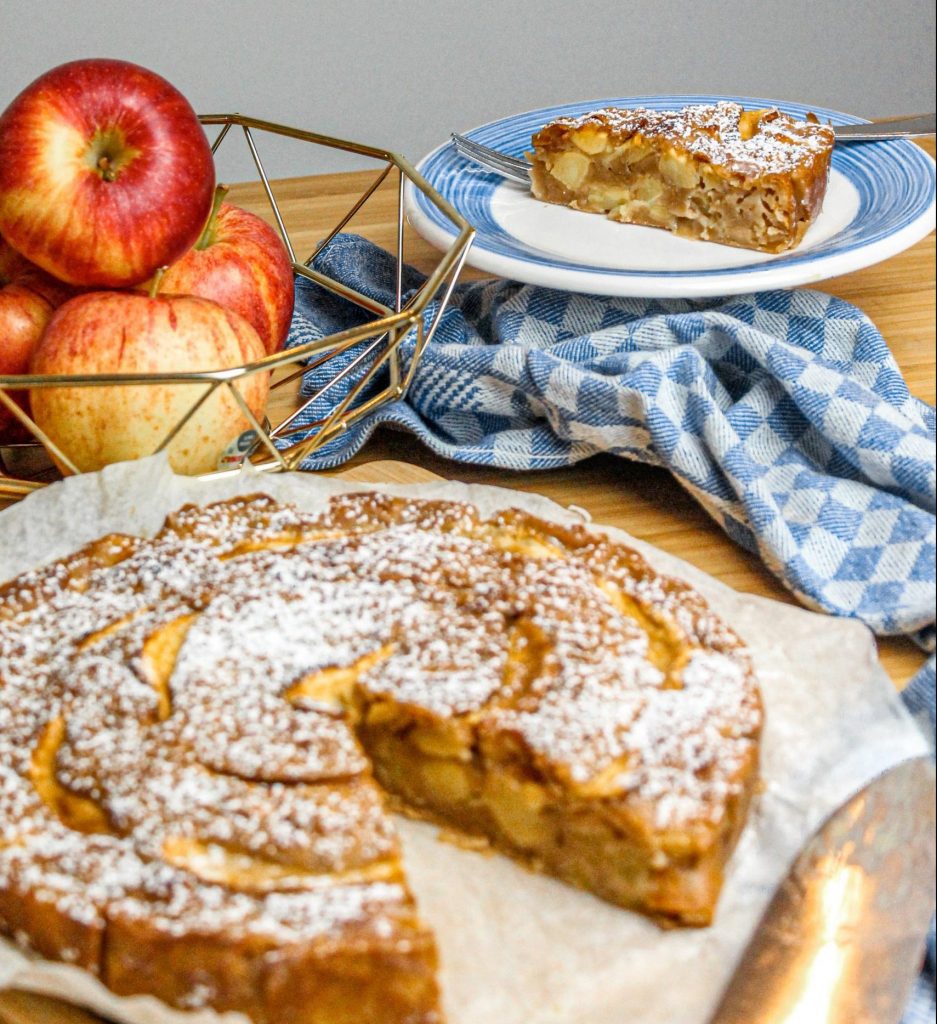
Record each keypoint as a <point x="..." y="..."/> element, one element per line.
<point x="518" y="948"/>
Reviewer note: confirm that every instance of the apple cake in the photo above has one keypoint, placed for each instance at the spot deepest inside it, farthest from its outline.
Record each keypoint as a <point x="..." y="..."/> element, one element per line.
<point x="755" y="179"/>
<point x="198" y="732"/>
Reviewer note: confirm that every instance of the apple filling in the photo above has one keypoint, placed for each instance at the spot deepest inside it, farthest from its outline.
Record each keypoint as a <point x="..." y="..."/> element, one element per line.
<point x="636" y="185"/>
<point x="486" y="790"/>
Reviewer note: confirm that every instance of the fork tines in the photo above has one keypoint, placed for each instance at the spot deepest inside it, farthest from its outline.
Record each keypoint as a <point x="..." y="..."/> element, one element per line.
<point x="509" y="166"/>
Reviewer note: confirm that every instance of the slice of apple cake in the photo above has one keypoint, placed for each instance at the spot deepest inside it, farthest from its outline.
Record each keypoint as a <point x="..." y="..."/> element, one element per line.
<point x="755" y="179"/>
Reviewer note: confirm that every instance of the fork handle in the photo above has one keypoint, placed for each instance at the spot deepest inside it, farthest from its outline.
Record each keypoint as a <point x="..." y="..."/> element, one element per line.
<point x="894" y="128"/>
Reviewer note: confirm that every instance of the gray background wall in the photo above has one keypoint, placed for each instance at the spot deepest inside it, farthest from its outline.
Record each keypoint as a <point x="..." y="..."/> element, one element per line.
<point x="404" y="74"/>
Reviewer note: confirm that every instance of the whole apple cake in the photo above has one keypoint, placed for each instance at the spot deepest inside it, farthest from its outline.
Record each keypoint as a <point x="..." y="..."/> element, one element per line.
<point x="749" y="178"/>
<point x="198" y="732"/>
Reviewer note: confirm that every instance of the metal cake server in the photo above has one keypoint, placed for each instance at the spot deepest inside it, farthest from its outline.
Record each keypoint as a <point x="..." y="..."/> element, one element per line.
<point x="912" y="127"/>
<point x="841" y="941"/>
<point x="895" y="128"/>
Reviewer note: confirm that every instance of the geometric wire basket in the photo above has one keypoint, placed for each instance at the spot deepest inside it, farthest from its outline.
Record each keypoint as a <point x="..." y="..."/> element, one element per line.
<point x="368" y="369"/>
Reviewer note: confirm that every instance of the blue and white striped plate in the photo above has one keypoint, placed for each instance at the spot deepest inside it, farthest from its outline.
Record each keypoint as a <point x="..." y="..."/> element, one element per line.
<point x="880" y="200"/>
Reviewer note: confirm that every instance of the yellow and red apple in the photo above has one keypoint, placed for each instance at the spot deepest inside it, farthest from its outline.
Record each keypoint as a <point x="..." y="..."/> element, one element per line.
<point x="240" y="262"/>
<point x="28" y="298"/>
<point x="105" y="173"/>
<point x="130" y="333"/>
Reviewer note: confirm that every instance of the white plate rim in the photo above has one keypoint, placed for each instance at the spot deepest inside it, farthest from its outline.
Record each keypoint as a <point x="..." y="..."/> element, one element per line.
<point x="683" y="284"/>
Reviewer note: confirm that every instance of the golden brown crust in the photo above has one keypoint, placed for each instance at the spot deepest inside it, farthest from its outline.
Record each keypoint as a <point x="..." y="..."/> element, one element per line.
<point x="210" y="849"/>
<point x="186" y="805"/>
<point x="750" y="178"/>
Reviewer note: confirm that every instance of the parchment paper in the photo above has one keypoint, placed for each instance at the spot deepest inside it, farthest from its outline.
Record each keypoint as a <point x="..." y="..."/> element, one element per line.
<point x="518" y="948"/>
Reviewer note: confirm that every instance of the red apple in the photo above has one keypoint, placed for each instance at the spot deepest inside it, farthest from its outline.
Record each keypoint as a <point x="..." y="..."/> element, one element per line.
<point x="28" y="298"/>
<point x="124" y="332"/>
<point x="105" y="173"/>
<point x="240" y="262"/>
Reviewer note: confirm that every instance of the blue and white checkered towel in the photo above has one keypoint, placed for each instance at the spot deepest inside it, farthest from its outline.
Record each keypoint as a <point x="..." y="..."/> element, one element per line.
<point x="783" y="413"/>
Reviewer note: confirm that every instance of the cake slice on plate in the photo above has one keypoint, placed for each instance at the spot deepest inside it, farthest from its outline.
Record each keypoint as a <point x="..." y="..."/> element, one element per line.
<point x="755" y="179"/>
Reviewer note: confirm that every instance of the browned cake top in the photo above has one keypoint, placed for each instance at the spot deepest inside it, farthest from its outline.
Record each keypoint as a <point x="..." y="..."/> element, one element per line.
<point x="725" y="135"/>
<point x="169" y="748"/>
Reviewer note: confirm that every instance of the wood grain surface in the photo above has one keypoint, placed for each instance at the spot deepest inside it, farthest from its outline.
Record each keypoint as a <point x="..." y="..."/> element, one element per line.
<point x="899" y="296"/>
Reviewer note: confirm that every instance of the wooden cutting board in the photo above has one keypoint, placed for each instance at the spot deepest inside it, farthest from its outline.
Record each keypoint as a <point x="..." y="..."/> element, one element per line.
<point x="21" y="1008"/>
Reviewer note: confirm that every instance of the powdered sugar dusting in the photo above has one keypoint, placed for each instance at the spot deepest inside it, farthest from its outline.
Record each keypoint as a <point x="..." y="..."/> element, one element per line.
<point x="235" y="768"/>
<point x="712" y="132"/>
<point x="630" y="684"/>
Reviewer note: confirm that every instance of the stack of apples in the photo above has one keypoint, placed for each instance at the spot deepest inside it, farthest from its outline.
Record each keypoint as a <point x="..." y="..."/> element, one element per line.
<point x="118" y="255"/>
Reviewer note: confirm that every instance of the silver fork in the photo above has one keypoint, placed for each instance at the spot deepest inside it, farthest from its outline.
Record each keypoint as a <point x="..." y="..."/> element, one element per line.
<point x="507" y="166"/>
<point x="519" y="170"/>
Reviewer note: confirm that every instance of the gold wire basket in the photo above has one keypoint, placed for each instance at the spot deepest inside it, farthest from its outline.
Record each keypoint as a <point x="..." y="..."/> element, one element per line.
<point x="369" y="371"/>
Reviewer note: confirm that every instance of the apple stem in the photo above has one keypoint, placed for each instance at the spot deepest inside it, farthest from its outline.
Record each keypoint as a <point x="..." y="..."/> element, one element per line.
<point x="208" y="234"/>
<point x="107" y="172"/>
<point x="156" y="281"/>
